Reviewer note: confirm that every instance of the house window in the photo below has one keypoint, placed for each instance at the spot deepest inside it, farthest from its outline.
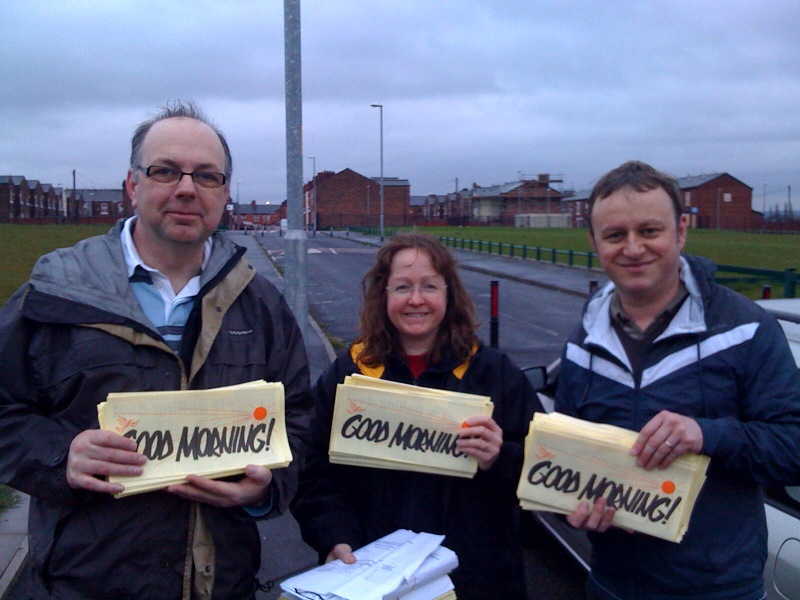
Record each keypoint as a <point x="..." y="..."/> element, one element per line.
<point x="104" y="208"/>
<point x="688" y="198"/>
<point x="727" y="197"/>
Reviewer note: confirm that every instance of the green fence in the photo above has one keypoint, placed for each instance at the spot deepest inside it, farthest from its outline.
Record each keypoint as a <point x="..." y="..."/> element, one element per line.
<point x="726" y="274"/>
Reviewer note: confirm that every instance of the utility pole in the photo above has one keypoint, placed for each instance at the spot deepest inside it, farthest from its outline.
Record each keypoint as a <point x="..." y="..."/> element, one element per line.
<point x="296" y="276"/>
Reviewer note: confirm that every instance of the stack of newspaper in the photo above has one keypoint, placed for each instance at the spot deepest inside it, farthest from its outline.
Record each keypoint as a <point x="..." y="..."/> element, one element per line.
<point x="387" y="425"/>
<point x="213" y="433"/>
<point x="569" y="460"/>
<point x="400" y="566"/>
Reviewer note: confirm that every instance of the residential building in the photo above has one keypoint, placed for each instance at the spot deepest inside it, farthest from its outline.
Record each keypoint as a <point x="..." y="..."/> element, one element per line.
<point x="712" y="201"/>
<point x="348" y="198"/>
<point x="500" y="204"/>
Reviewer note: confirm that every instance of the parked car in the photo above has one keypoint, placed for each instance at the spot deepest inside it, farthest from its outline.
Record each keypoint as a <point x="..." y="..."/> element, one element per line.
<point x="782" y="505"/>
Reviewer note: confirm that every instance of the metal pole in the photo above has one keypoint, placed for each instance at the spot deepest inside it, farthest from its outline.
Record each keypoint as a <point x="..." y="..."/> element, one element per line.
<point x="380" y="106"/>
<point x="368" y="210"/>
<point x="295" y="277"/>
<point x="764" y="208"/>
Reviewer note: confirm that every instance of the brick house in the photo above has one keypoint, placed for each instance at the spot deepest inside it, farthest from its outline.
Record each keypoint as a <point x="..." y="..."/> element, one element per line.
<point x="33" y="206"/>
<point x="718" y="201"/>
<point x="103" y="205"/>
<point x="349" y="198"/>
<point x="577" y="206"/>
<point x="437" y="210"/>
<point x="713" y="201"/>
<point x="13" y="197"/>
<point x="251" y="216"/>
<point x="499" y="204"/>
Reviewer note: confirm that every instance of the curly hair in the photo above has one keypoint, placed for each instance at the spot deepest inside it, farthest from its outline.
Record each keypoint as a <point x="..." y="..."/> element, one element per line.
<point x="379" y="335"/>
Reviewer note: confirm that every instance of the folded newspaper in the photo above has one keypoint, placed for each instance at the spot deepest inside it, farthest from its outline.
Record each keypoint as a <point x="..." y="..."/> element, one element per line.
<point x="387" y="425"/>
<point x="403" y="565"/>
<point x="568" y="460"/>
<point x="213" y="433"/>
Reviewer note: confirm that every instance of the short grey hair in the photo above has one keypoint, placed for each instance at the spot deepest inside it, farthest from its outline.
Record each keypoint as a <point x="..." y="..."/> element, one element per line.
<point x="178" y="108"/>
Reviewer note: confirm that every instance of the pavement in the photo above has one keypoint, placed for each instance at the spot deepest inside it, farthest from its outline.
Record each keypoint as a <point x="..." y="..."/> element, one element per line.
<point x="291" y="555"/>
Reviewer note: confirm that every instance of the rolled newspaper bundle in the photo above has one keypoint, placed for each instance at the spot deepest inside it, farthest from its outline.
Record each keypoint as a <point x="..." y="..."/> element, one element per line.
<point x="387" y="425"/>
<point x="569" y="460"/>
<point x="213" y="433"/>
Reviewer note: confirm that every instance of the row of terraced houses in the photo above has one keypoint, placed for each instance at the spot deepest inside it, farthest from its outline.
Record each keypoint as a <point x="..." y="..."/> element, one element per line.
<point x="347" y="198"/>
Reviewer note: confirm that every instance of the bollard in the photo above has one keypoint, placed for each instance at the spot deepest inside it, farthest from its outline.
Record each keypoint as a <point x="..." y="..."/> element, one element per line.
<point x="766" y="292"/>
<point x="592" y="286"/>
<point x="495" y="325"/>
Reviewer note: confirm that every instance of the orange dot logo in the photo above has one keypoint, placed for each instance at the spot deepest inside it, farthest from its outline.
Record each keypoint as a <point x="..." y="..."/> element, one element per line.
<point x="260" y="413"/>
<point x="464" y="424"/>
<point x="668" y="487"/>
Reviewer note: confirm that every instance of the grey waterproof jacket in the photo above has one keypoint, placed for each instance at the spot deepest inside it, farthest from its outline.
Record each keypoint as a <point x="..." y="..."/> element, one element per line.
<point x="74" y="333"/>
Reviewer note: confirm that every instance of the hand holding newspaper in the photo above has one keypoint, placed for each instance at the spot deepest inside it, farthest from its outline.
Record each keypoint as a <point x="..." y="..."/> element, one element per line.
<point x="213" y="433"/>
<point x="403" y="565"/>
<point x="387" y="425"/>
<point x="568" y="460"/>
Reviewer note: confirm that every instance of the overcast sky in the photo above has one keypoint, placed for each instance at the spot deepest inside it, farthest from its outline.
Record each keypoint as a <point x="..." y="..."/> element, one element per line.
<point x="473" y="90"/>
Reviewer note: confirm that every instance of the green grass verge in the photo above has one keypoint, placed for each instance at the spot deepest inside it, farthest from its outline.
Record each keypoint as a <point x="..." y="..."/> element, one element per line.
<point x="22" y="245"/>
<point x="773" y="252"/>
<point x="753" y="250"/>
<point x="8" y="498"/>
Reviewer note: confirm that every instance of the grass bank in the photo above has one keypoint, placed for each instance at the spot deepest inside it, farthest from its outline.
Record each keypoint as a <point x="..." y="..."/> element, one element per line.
<point x="22" y="245"/>
<point x="753" y="250"/>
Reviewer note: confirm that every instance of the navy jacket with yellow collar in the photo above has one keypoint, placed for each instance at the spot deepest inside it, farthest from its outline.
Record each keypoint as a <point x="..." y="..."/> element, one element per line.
<point x="725" y="362"/>
<point x="356" y="505"/>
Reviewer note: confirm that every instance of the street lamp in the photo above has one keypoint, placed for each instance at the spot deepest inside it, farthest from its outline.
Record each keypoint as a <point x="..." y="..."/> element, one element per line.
<point x="237" y="191"/>
<point x="314" y="190"/>
<point x="764" y="207"/>
<point x="380" y="106"/>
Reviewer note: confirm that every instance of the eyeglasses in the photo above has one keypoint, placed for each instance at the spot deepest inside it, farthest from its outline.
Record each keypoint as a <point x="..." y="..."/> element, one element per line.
<point x="405" y="290"/>
<point x="206" y="179"/>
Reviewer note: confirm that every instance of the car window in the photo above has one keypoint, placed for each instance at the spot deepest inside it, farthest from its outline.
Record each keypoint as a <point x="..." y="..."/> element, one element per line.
<point x="786" y="499"/>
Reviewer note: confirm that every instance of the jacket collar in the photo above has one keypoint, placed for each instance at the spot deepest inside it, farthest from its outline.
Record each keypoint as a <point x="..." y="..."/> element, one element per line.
<point x="689" y="319"/>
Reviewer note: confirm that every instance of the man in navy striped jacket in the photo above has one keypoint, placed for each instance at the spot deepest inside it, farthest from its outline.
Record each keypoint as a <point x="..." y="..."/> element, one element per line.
<point x="693" y="367"/>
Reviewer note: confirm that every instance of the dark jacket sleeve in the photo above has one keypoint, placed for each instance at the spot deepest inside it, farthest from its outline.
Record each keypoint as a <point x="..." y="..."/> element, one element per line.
<point x="762" y="442"/>
<point x="33" y="446"/>
<point x="288" y="363"/>
<point x="515" y="402"/>
<point x="321" y="510"/>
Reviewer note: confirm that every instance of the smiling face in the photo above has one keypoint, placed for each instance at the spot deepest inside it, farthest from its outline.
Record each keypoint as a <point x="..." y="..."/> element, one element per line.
<point x="638" y="241"/>
<point x="173" y="215"/>
<point x="416" y="316"/>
